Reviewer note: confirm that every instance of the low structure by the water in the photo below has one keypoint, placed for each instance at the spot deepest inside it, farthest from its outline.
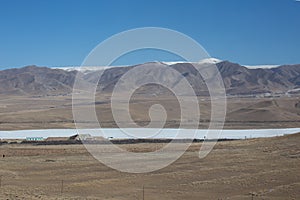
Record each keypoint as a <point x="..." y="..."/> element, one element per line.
<point x="34" y="138"/>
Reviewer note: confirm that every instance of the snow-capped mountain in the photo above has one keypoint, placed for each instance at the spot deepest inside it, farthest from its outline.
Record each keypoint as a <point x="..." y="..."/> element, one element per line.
<point x="87" y="69"/>
<point x="238" y="79"/>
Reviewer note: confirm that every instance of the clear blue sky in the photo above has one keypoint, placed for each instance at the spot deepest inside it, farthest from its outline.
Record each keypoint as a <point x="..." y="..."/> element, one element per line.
<point x="63" y="32"/>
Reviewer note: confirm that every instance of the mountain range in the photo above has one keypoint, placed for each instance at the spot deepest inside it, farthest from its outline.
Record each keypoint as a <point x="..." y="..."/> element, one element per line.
<point x="238" y="79"/>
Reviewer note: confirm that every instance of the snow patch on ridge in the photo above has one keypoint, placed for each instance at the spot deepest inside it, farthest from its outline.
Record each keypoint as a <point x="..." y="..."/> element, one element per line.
<point x="204" y="61"/>
<point x="87" y="69"/>
<point x="84" y="69"/>
<point x="260" y="66"/>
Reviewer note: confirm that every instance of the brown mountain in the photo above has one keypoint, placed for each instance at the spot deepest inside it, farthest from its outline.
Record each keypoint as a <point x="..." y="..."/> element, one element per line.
<point x="238" y="80"/>
<point x="36" y="80"/>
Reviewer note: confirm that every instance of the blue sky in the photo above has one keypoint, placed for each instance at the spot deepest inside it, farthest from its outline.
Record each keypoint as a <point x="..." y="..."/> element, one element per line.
<point x="63" y="32"/>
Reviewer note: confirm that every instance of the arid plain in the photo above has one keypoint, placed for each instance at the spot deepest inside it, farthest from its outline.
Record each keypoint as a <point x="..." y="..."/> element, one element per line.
<point x="245" y="169"/>
<point x="29" y="112"/>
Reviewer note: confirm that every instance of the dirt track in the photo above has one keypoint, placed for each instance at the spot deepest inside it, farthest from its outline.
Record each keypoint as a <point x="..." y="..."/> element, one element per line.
<point x="267" y="168"/>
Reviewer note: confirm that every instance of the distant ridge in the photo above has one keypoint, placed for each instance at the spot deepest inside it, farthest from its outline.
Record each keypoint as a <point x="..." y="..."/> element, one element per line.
<point x="238" y="79"/>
